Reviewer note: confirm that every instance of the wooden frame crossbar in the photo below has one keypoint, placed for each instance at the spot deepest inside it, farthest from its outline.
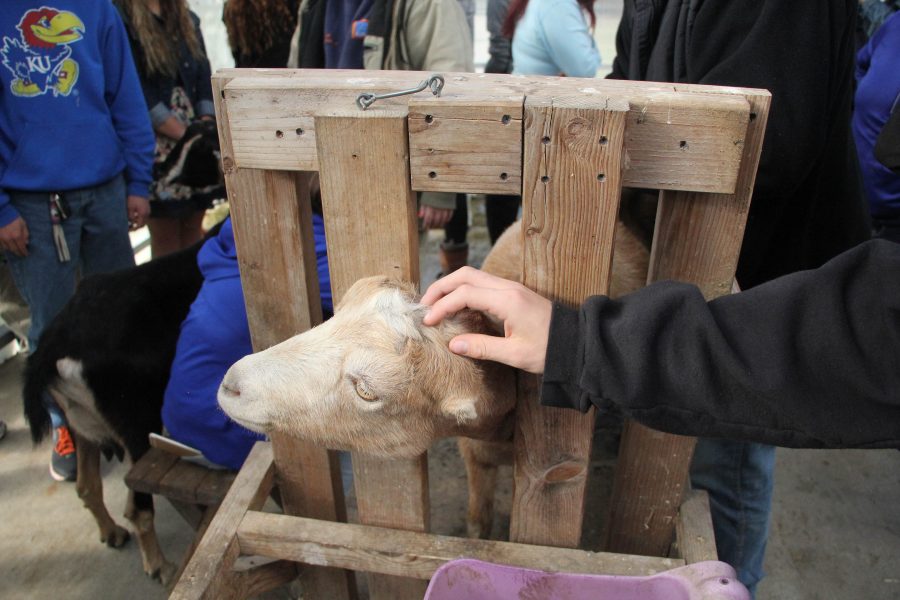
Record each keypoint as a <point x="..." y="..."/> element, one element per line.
<point x="567" y="146"/>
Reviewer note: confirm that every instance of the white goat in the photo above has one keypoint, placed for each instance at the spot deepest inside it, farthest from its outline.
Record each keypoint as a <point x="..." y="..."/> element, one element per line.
<point x="374" y="379"/>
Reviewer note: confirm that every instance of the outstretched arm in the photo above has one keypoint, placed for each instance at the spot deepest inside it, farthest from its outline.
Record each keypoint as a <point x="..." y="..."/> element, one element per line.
<point x="811" y="359"/>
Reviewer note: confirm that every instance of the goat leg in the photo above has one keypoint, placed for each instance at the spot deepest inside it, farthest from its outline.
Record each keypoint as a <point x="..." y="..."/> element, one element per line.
<point x="90" y="489"/>
<point x="140" y="512"/>
<point x="481" y="470"/>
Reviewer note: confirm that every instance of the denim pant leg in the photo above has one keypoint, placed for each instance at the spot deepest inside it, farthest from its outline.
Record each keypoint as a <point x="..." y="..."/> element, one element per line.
<point x="739" y="478"/>
<point x="105" y="244"/>
<point x="45" y="283"/>
<point x="97" y="239"/>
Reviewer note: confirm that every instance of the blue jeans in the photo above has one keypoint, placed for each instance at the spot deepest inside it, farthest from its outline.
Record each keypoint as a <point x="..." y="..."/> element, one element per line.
<point x="96" y="235"/>
<point x="739" y="478"/>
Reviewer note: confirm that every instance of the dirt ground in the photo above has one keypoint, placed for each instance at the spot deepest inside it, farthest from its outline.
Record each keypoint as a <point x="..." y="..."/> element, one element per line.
<point x="835" y="533"/>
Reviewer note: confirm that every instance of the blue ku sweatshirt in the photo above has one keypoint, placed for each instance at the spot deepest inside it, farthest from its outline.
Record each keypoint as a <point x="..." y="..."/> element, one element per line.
<point x="72" y="114"/>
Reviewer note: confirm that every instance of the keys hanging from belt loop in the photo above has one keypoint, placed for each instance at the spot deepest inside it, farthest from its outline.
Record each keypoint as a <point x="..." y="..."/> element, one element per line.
<point x="59" y="212"/>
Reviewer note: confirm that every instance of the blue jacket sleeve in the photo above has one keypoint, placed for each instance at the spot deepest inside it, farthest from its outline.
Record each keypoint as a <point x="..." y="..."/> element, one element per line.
<point x="127" y="107"/>
<point x="569" y="41"/>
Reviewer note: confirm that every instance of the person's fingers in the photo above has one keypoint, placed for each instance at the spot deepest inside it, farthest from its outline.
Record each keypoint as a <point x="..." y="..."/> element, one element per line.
<point x="515" y="352"/>
<point x="470" y="275"/>
<point x="491" y="301"/>
<point x="482" y="347"/>
<point x="20" y="245"/>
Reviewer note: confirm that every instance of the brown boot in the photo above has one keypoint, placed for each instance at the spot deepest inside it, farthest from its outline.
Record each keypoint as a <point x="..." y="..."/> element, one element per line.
<point x="453" y="256"/>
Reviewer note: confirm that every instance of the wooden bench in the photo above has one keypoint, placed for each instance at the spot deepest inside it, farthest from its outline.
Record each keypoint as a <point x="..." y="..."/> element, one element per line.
<point x="194" y="490"/>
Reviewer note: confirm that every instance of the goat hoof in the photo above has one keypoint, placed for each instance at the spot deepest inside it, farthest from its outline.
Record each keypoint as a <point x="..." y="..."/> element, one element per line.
<point x="164" y="574"/>
<point x="117" y="538"/>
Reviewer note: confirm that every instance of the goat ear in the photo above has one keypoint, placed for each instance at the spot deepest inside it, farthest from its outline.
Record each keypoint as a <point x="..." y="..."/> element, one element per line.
<point x="460" y="408"/>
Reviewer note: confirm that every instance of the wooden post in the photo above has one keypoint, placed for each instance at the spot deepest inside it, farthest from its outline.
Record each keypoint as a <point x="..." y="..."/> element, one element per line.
<point x="573" y="162"/>
<point x="272" y="222"/>
<point x="370" y="213"/>
<point x="697" y="239"/>
<point x="208" y="575"/>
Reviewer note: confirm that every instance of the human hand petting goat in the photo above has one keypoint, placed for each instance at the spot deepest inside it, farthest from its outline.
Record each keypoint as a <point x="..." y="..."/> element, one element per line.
<point x="525" y="316"/>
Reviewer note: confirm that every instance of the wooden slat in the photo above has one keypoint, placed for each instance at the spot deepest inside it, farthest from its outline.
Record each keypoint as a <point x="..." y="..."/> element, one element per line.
<point x="370" y="214"/>
<point x="207" y="573"/>
<point x="694" y="529"/>
<point x="681" y="142"/>
<point x="572" y="183"/>
<point x="697" y="239"/>
<point x="274" y="127"/>
<point x="413" y="554"/>
<point x="149" y="470"/>
<point x="272" y="220"/>
<point x="214" y="486"/>
<point x="472" y="145"/>
<point x="264" y="578"/>
<point x="182" y="481"/>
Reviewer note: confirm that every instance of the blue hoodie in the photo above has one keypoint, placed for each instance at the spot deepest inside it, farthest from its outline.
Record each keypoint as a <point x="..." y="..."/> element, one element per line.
<point x="877" y="93"/>
<point x="213" y="337"/>
<point x="72" y="114"/>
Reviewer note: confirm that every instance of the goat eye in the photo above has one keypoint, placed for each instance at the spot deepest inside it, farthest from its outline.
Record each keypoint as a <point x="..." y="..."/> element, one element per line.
<point x="363" y="391"/>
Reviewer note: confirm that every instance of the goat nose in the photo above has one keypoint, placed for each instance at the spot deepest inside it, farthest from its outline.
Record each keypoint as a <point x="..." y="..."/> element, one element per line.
<point x="230" y="388"/>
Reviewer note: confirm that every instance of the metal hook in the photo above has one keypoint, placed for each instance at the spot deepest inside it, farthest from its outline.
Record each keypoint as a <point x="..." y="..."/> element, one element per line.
<point x="434" y="82"/>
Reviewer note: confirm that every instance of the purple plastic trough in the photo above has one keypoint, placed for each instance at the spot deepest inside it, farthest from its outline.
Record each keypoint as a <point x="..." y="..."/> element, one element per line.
<point x="468" y="579"/>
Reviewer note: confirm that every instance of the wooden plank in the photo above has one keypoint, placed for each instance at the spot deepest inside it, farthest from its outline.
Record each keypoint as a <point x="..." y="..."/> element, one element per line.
<point x="207" y="573"/>
<point x="269" y="111"/>
<point x="147" y="472"/>
<point x="697" y="239"/>
<point x="214" y="486"/>
<point x="182" y="481"/>
<point x="466" y="144"/>
<point x="414" y="554"/>
<point x="571" y="187"/>
<point x="370" y="214"/>
<point x="683" y="142"/>
<point x="694" y="529"/>
<point x="273" y="233"/>
<point x="370" y="210"/>
<point x="272" y="219"/>
<point x="264" y="578"/>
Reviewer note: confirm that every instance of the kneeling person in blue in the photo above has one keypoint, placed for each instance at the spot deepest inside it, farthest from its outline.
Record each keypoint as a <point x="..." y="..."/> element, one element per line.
<point x="213" y="337"/>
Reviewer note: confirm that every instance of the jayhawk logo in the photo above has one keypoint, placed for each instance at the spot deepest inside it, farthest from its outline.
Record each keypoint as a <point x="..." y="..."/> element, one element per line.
<point x="40" y="59"/>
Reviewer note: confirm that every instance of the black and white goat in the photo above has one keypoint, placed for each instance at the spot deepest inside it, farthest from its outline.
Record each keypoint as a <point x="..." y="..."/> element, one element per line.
<point x="105" y="359"/>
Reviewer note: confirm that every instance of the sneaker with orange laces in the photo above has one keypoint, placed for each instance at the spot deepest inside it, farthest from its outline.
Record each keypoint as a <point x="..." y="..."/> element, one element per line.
<point x="63" y="464"/>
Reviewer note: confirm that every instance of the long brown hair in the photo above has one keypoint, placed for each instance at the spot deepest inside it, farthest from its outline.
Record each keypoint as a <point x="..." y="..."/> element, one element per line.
<point x="160" y="38"/>
<point x="517" y="9"/>
<point x="254" y="26"/>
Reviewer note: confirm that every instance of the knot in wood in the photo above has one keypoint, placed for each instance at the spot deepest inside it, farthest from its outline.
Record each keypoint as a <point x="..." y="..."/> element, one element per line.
<point x="565" y="471"/>
<point x="575" y="127"/>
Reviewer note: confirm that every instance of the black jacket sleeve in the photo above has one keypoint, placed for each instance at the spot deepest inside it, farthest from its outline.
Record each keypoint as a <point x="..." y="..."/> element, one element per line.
<point x="807" y="360"/>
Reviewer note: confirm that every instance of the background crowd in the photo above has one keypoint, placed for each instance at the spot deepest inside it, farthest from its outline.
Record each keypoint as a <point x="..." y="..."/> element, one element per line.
<point x="96" y="96"/>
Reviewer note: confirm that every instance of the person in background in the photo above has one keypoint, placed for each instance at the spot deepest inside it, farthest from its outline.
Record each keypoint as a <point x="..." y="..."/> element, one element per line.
<point x="807" y="203"/>
<point x="410" y="35"/>
<point x="755" y="366"/>
<point x="259" y="31"/>
<point x="872" y="14"/>
<point x="214" y="335"/>
<point x="76" y="150"/>
<point x="175" y="75"/>
<point x="877" y="97"/>
<point x="551" y="37"/>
